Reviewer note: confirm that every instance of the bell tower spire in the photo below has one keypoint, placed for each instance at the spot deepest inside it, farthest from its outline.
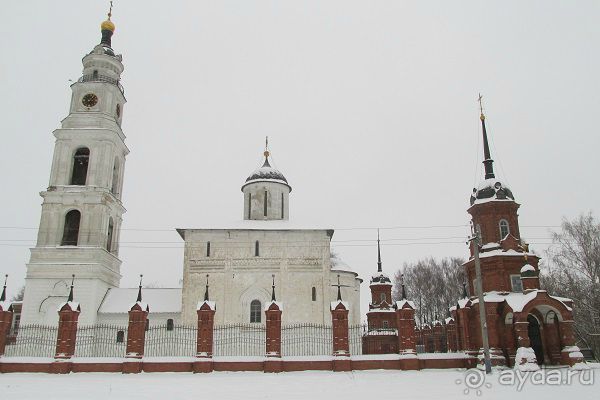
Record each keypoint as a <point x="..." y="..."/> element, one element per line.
<point x="82" y="210"/>
<point x="487" y="158"/>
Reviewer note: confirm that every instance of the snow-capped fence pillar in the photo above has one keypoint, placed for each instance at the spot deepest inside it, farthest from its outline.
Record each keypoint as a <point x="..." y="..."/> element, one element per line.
<point x="136" y="337"/>
<point x="462" y="315"/>
<point x="341" y="345"/>
<point x="204" y="344"/>
<point x="570" y="354"/>
<point x="273" y="337"/>
<point x="451" y="334"/>
<point x="405" y="322"/>
<point x="68" y="315"/>
<point x="6" y="315"/>
<point x="438" y="337"/>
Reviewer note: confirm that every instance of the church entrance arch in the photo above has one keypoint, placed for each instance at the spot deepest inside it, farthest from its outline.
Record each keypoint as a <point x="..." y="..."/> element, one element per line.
<point x="535" y="338"/>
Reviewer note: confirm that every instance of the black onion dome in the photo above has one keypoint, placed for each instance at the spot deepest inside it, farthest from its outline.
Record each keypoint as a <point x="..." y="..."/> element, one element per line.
<point x="267" y="173"/>
<point x="381" y="279"/>
<point x="491" y="189"/>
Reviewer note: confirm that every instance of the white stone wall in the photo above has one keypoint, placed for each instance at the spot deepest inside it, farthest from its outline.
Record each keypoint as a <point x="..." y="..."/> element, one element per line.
<point x="299" y="259"/>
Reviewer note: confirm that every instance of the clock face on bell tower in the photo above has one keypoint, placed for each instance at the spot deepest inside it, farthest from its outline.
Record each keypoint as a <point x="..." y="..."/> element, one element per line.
<point x="89" y="100"/>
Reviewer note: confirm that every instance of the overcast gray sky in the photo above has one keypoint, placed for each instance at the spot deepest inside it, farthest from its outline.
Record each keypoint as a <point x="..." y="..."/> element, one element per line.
<point x="370" y="107"/>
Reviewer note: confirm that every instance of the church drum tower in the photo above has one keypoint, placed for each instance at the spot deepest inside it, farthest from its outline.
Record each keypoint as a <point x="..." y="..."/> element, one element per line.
<point x="82" y="210"/>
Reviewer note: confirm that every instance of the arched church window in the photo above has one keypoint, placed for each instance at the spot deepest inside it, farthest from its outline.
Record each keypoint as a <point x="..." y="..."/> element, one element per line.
<point x="120" y="336"/>
<point x="109" y="236"/>
<point x="255" y="311"/>
<point x="382" y="297"/>
<point x="314" y="293"/>
<point x="170" y="324"/>
<point x="503" y="228"/>
<point x="95" y="75"/>
<point x="207" y="249"/>
<point x="115" y="178"/>
<point x="256" y="249"/>
<point x="71" y="229"/>
<point x="386" y="324"/>
<point x="80" y="166"/>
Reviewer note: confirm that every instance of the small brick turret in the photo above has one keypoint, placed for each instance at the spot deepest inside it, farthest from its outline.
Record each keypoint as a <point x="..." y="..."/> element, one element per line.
<point x="6" y="315"/>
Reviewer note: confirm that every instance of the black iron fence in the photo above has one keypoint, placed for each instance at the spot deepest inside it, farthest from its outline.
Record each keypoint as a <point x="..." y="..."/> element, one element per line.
<point x="32" y="341"/>
<point x="101" y="341"/>
<point x="102" y="78"/>
<point x="239" y="340"/>
<point x="171" y="341"/>
<point x="306" y="340"/>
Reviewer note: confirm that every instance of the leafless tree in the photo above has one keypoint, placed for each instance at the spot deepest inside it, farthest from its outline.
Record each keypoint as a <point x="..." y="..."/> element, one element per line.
<point x="432" y="284"/>
<point x="572" y="270"/>
<point x="19" y="295"/>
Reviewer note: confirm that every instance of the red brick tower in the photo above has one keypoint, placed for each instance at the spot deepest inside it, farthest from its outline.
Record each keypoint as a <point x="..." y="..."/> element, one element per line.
<point x="381" y="337"/>
<point x="522" y="321"/>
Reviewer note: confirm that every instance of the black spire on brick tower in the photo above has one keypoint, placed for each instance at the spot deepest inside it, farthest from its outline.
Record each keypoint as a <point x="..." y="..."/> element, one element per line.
<point x="3" y="296"/>
<point x="487" y="158"/>
<point x="139" y="296"/>
<point x="403" y="288"/>
<point x="206" y="291"/>
<point x="378" y="253"/>
<point x="71" y="291"/>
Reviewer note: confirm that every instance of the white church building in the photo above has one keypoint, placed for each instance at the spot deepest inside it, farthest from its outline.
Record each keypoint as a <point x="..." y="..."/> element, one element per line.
<point x="82" y="216"/>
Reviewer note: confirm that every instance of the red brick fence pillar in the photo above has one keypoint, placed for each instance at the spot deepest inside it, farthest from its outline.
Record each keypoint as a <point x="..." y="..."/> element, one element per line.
<point x="68" y="315"/>
<point x="204" y="343"/>
<point x="136" y="337"/>
<point x="273" y="337"/>
<point x="525" y="357"/>
<point x="405" y="323"/>
<point x="451" y="334"/>
<point x="341" y="345"/>
<point x="570" y="354"/>
<point x="6" y="316"/>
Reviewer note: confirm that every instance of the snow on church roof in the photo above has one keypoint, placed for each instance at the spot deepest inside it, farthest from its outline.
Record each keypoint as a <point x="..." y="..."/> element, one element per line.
<point x="258" y="225"/>
<point x="160" y="300"/>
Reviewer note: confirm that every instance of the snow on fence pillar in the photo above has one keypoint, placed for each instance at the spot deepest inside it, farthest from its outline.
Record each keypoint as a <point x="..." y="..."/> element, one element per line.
<point x="6" y="314"/>
<point x="68" y="315"/>
<point x="570" y="354"/>
<point x="204" y="345"/>
<point x="136" y="334"/>
<point x="341" y="345"/>
<point x="405" y="322"/>
<point x="525" y="358"/>
<point x="451" y="334"/>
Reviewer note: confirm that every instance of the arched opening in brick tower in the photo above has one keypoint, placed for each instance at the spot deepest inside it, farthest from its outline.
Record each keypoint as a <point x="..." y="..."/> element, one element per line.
<point x="535" y="338"/>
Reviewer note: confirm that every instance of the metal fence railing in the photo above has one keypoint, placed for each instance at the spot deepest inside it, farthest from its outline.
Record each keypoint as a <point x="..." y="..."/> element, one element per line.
<point x="171" y="341"/>
<point x="355" y="335"/>
<point x="306" y="340"/>
<point x="32" y="341"/>
<point x="101" y="341"/>
<point x="239" y="340"/>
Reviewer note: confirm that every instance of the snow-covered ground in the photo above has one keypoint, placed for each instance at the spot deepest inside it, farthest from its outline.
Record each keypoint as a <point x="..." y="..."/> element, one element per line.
<point x="310" y="385"/>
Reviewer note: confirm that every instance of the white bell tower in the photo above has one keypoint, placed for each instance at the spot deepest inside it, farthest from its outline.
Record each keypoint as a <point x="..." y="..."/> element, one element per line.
<point x="82" y="210"/>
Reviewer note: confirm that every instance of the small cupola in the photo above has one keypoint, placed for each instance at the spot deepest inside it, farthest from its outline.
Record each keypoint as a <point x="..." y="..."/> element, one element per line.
<point x="266" y="192"/>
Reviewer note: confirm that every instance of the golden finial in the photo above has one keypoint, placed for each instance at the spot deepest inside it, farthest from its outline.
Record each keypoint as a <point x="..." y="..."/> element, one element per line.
<point x="266" y="153"/>
<point x="482" y="117"/>
<point x="108" y="24"/>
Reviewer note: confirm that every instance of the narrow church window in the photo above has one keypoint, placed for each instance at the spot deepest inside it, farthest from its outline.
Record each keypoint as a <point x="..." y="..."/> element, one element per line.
<point x="516" y="283"/>
<point x="265" y="204"/>
<point x="314" y="293"/>
<point x="255" y="311"/>
<point x="382" y="297"/>
<point x="120" y="337"/>
<point x="95" y="75"/>
<point x="207" y="249"/>
<point x="249" y="205"/>
<point x="71" y="229"/>
<point x="503" y="228"/>
<point x="169" y="324"/>
<point x="115" y="178"/>
<point x="256" y="249"/>
<point x="80" y="166"/>
<point x="282" y="206"/>
<point x="109" y="236"/>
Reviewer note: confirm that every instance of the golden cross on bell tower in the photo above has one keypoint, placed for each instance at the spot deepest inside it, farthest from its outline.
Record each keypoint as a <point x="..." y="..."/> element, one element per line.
<point x="266" y="153"/>
<point x="480" y="100"/>
<point x="110" y="10"/>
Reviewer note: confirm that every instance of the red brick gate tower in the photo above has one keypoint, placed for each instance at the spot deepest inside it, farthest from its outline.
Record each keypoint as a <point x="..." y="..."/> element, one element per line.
<point x="382" y="334"/>
<point x="517" y="312"/>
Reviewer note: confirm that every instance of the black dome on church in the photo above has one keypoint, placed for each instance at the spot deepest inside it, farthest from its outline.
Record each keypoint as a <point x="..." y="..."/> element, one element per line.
<point x="266" y="172"/>
<point x="491" y="189"/>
